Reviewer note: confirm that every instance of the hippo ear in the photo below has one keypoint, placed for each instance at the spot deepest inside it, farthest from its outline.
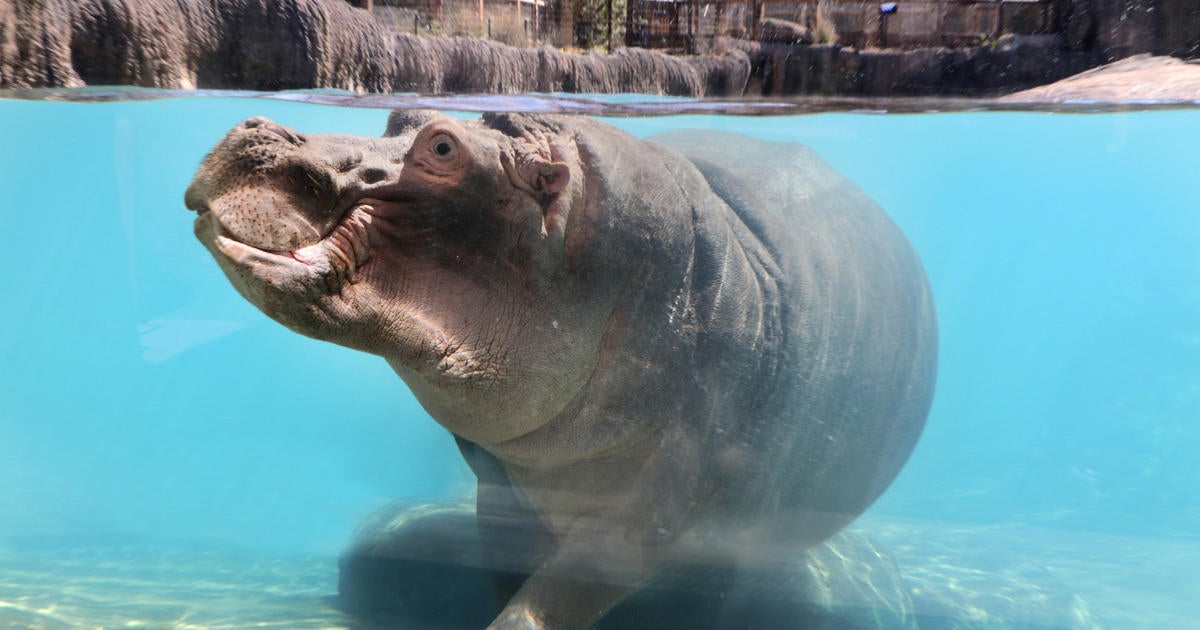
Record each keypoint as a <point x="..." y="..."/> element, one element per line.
<point x="402" y="120"/>
<point x="550" y="177"/>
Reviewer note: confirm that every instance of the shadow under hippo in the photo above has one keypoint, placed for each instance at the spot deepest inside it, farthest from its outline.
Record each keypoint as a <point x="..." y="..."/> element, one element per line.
<point x="418" y="566"/>
<point x="693" y="358"/>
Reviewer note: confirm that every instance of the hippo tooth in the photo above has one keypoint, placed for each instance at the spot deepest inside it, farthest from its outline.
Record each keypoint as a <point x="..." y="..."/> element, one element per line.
<point x="305" y="255"/>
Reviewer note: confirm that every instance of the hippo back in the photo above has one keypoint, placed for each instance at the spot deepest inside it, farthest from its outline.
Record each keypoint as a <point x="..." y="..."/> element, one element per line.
<point x="840" y="406"/>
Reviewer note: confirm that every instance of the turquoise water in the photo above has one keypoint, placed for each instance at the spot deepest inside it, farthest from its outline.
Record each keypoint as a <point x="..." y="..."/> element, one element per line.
<point x="148" y="412"/>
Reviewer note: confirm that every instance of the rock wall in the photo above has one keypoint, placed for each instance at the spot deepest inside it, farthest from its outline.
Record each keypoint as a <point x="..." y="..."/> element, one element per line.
<point x="461" y="64"/>
<point x="294" y="44"/>
<point x="1120" y="28"/>
<point x="777" y="70"/>
<point x="34" y="46"/>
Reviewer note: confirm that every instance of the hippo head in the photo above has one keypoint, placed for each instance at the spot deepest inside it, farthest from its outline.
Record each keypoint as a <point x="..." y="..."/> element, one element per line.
<point x="454" y="249"/>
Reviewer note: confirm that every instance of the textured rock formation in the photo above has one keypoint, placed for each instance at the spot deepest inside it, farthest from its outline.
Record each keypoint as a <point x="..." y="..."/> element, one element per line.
<point x="776" y="31"/>
<point x="460" y="64"/>
<point x="1137" y="79"/>
<point x="34" y="46"/>
<point x="255" y="44"/>
<point x="295" y="44"/>
<point x="831" y="70"/>
<point x="274" y="45"/>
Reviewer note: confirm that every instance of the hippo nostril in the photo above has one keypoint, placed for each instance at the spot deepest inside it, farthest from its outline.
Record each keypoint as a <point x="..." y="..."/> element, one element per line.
<point x="195" y="200"/>
<point x="261" y="122"/>
<point x="372" y="175"/>
<point x="284" y="132"/>
<point x="255" y="122"/>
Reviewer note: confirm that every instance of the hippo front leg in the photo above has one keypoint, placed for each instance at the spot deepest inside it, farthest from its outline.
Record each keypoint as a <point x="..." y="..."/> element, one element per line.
<point x="578" y="584"/>
<point x="603" y="558"/>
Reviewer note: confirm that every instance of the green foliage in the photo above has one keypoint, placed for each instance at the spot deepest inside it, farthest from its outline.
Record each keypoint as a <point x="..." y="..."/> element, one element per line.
<point x="590" y="20"/>
<point x="986" y="40"/>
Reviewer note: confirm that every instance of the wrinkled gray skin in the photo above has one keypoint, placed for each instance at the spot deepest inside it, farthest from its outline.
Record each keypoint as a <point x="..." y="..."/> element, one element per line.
<point x="703" y="348"/>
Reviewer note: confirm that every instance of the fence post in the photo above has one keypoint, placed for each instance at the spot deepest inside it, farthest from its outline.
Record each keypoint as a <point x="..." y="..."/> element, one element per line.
<point x="999" y="18"/>
<point x="672" y="40"/>
<point x="693" y="26"/>
<point x="937" y="26"/>
<point x="756" y="15"/>
<point x="630" y="7"/>
<point x="885" y="11"/>
<point x="719" y="22"/>
<point x="608" y="13"/>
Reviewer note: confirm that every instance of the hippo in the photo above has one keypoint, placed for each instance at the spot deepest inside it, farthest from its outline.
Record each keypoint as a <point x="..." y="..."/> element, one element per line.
<point x="698" y="349"/>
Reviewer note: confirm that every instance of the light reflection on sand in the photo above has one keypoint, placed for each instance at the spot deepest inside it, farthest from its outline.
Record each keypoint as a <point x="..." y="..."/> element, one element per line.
<point x="1001" y="576"/>
<point x="137" y="588"/>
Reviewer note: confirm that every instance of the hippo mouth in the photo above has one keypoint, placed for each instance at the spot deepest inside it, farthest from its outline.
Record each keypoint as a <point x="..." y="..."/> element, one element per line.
<point x="282" y="192"/>
<point x="333" y="260"/>
<point x="342" y="210"/>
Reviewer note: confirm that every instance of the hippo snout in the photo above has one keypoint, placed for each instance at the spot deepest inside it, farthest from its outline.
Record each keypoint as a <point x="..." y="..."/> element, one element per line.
<point x="272" y="188"/>
<point x="266" y="187"/>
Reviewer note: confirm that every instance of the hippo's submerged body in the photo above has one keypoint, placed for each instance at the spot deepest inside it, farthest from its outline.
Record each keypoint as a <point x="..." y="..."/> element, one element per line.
<point x="651" y="352"/>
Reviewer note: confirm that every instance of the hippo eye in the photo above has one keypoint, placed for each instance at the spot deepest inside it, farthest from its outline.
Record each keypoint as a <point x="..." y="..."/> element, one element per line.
<point x="443" y="145"/>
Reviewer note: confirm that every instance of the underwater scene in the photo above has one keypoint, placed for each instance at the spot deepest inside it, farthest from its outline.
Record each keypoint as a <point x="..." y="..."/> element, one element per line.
<point x="171" y="457"/>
